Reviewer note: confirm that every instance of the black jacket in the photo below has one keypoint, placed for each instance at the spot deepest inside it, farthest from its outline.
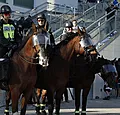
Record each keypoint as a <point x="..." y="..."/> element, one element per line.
<point x="4" y="41"/>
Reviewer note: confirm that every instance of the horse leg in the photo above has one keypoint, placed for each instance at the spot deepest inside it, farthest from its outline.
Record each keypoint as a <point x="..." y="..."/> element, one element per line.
<point x="59" y="94"/>
<point x="8" y="97"/>
<point x="38" y="94"/>
<point x="77" y="100"/>
<point x="15" y="97"/>
<point x="44" y="92"/>
<point x="23" y="105"/>
<point x="24" y="101"/>
<point x="116" y="92"/>
<point x="84" y="100"/>
<point x="50" y="102"/>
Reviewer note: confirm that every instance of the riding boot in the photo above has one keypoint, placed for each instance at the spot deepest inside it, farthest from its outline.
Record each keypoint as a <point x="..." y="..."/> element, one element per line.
<point x="4" y="86"/>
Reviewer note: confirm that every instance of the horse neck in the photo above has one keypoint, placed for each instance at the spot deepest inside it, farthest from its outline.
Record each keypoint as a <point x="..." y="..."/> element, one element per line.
<point x="67" y="50"/>
<point x="27" y="50"/>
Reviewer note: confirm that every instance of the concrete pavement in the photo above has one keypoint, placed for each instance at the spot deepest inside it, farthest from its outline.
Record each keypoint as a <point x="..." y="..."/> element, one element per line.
<point x="94" y="107"/>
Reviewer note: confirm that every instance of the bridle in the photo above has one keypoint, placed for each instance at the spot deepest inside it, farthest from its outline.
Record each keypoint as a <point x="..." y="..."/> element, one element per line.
<point x="26" y="58"/>
<point x="33" y="58"/>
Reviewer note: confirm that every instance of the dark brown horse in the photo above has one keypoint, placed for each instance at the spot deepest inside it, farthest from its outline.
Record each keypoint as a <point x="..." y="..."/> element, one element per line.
<point x="22" y="72"/>
<point x="83" y="74"/>
<point x="55" y="77"/>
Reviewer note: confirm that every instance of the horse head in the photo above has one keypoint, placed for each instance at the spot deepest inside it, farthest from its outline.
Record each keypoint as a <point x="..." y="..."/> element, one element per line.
<point x="32" y="50"/>
<point x="41" y="40"/>
<point x="108" y="70"/>
<point x="69" y="46"/>
<point x="80" y="43"/>
<point x="90" y="51"/>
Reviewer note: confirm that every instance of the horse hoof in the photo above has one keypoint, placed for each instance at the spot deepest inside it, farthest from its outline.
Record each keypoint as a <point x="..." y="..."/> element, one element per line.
<point x="77" y="114"/>
<point x="83" y="113"/>
<point x="38" y="113"/>
<point x="6" y="113"/>
<point x="43" y="112"/>
<point x="57" y="113"/>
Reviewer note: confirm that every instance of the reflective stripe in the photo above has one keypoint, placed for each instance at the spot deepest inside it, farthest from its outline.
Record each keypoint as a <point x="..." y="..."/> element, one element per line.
<point x="8" y="31"/>
<point x="37" y="105"/>
<point x="83" y="111"/>
<point x="42" y="105"/>
<point x="6" y="111"/>
<point x="77" y="111"/>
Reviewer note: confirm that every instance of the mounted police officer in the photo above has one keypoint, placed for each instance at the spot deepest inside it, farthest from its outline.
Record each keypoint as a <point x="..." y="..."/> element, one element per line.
<point x="46" y="39"/>
<point x="8" y="37"/>
<point x="43" y="26"/>
<point x="68" y="31"/>
<point x="77" y="28"/>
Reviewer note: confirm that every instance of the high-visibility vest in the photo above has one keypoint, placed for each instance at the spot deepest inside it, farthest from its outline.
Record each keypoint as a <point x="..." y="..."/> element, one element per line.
<point x="8" y="31"/>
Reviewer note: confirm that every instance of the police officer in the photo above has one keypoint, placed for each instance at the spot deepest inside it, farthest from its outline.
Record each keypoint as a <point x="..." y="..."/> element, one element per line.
<point x="8" y="31"/>
<point x="77" y="28"/>
<point x="8" y="36"/>
<point x="68" y="31"/>
<point x="43" y="26"/>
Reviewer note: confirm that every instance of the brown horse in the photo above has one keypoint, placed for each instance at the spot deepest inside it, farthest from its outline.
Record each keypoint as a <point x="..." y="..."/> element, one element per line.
<point x="56" y="76"/>
<point x="22" y="72"/>
<point x="83" y="74"/>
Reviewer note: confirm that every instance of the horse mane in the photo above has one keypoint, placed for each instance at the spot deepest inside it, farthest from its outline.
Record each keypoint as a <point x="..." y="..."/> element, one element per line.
<point x="25" y="39"/>
<point x="30" y="32"/>
<point x="68" y="38"/>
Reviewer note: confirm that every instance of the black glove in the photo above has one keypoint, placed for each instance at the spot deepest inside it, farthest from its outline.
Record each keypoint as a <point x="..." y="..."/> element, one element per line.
<point x="14" y="46"/>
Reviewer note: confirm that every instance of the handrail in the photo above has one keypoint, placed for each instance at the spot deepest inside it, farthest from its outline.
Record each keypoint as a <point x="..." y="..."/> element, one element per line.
<point x="80" y="19"/>
<point x="100" y="19"/>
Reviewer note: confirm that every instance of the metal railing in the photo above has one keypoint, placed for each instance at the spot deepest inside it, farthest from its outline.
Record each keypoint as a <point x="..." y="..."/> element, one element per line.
<point x="100" y="30"/>
<point x="104" y="31"/>
<point x="87" y="18"/>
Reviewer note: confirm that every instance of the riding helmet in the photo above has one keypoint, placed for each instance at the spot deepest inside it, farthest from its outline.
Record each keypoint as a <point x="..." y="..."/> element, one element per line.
<point x="41" y="16"/>
<point x="69" y="25"/>
<point x="5" y="9"/>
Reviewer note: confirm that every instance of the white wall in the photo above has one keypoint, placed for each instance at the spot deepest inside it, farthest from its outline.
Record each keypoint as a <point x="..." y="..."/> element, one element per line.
<point x="113" y="50"/>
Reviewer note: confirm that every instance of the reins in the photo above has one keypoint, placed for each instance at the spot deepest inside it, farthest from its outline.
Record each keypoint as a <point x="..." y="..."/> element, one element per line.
<point x="27" y="60"/>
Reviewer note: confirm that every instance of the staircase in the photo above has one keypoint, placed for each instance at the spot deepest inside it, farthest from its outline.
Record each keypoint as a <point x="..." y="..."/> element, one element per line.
<point x="86" y="18"/>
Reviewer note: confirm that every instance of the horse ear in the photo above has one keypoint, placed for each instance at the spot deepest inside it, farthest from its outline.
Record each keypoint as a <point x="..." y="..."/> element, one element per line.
<point x="114" y="60"/>
<point x="102" y="56"/>
<point x="46" y="26"/>
<point x="34" y="28"/>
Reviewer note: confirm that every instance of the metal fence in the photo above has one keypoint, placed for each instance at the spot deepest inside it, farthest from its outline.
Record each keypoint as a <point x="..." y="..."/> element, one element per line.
<point x="104" y="31"/>
<point x="85" y="19"/>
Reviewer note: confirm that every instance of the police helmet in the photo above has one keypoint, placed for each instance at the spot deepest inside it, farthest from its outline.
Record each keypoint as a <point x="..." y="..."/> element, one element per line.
<point x="69" y="25"/>
<point x="41" y="16"/>
<point x="5" y="9"/>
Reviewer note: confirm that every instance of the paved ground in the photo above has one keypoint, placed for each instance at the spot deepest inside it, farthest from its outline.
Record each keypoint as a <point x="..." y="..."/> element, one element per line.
<point x="95" y="107"/>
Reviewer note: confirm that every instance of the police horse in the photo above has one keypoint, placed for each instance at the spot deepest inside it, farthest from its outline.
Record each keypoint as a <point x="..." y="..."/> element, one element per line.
<point x="55" y="77"/>
<point x="22" y="70"/>
<point x="83" y="69"/>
